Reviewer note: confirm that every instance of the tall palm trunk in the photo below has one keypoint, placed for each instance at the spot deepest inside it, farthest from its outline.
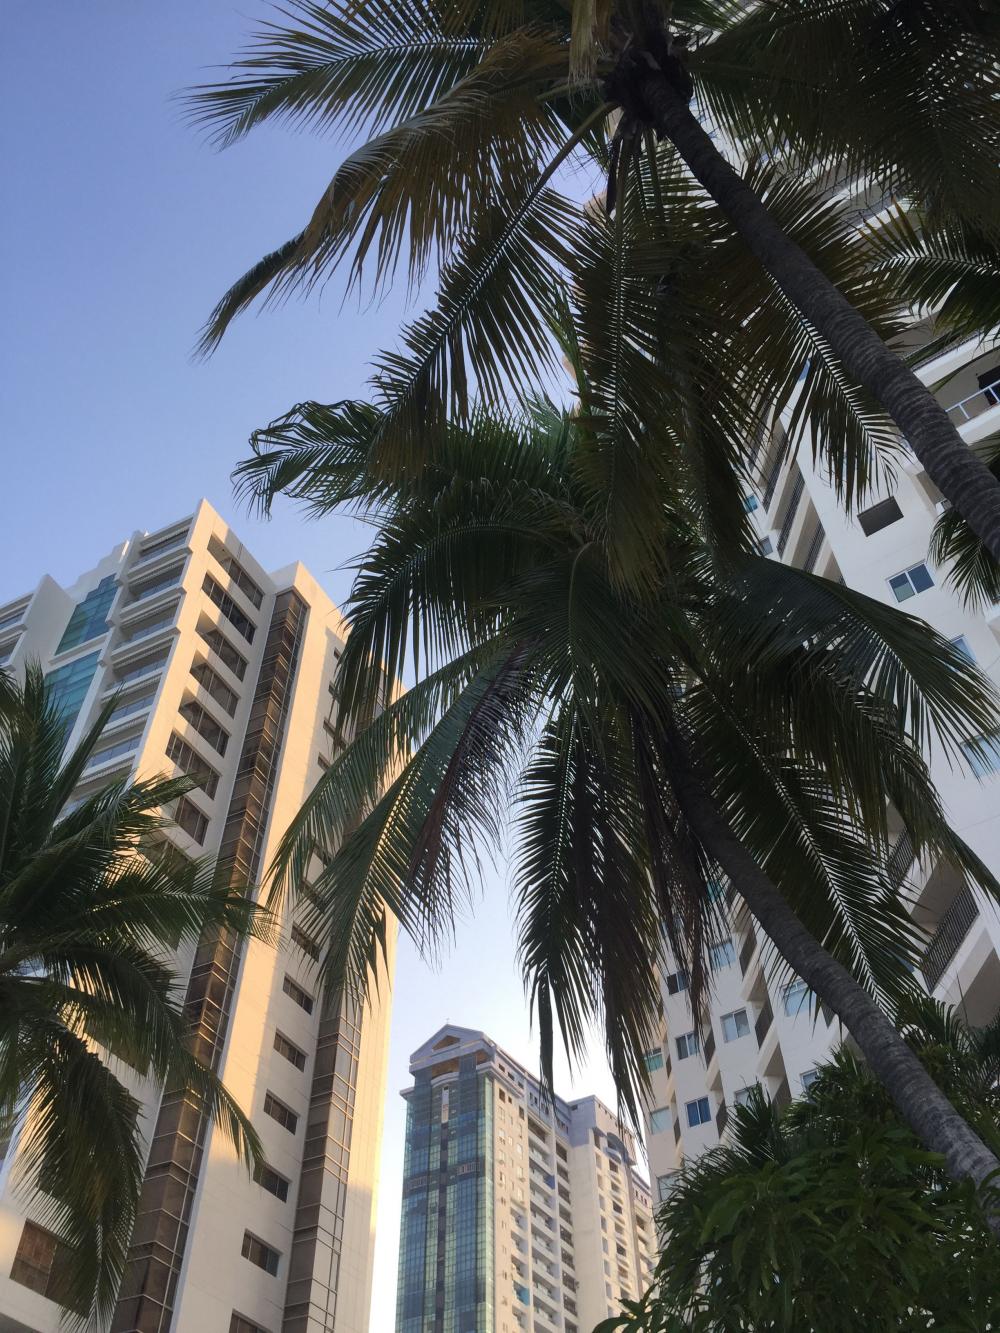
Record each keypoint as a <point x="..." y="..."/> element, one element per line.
<point x="921" y="1102"/>
<point x="954" y="468"/>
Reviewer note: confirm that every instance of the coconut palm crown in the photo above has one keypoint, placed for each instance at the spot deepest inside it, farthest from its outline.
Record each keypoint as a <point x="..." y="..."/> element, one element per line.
<point x="472" y="120"/>
<point x="734" y="718"/>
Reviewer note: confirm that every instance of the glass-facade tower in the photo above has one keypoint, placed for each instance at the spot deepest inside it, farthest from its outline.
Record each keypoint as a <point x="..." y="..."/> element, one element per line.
<point x="446" y="1241"/>
<point x="520" y="1213"/>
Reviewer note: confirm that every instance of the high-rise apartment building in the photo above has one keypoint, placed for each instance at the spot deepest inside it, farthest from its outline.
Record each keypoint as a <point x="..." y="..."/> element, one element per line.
<point x="762" y="1028"/>
<point x="520" y="1214"/>
<point x="223" y="670"/>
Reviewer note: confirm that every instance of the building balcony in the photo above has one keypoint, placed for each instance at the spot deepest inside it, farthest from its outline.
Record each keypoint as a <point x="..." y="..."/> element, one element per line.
<point x="947" y="939"/>
<point x="764" y="1020"/>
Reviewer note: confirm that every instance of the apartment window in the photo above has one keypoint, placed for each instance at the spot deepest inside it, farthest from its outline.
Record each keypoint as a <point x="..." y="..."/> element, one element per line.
<point x="677" y="981"/>
<point x="982" y="754"/>
<point x="188" y="817"/>
<point x="260" y="1254"/>
<point x="224" y="651"/>
<point x="659" y="1120"/>
<point x="189" y="761"/>
<point x="742" y="1095"/>
<point x="277" y="1110"/>
<point x="808" y="1078"/>
<point x="159" y="584"/>
<point x="911" y="581"/>
<point x="240" y="622"/>
<point x="688" y="1043"/>
<point x="301" y="997"/>
<point x="40" y="1262"/>
<point x="765" y="546"/>
<point x="239" y="1323"/>
<point x="795" y="997"/>
<point x="226" y="698"/>
<point x="143" y="668"/>
<point x="698" y="1112"/>
<point x="89" y="618"/>
<point x="750" y="503"/>
<point x="205" y="725"/>
<point x="236" y="572"/>
<point x="721" y="954"/>
<point x="735" y="1025"/>
<point x="67" y="687"/>
<point x="289" y="1050"/>
<point x="665" y="1186"/>
<point x="961" y="644"/>
<point x="161" y="544"/>
<point x="305" y="942"/>
<point x="128" y="746"/>
<point x="653" y="1060"/>
<point x="271" y="1181"/>
<point x="879" y="516"/>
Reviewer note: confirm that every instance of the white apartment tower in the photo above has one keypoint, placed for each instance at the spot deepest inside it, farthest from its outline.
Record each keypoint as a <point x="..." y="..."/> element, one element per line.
<point x="520" y="1214"/>
<point x="762" y="1028"/>
<point x="221" y="669"/>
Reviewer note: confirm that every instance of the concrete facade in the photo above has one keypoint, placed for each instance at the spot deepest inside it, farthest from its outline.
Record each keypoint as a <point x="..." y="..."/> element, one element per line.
<point x="223" y="668"/>
<point x="762" y="1028"/>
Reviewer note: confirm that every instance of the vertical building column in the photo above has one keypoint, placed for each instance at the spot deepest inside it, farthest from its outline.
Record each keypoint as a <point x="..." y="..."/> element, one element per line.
<point x="146" y="1302"/>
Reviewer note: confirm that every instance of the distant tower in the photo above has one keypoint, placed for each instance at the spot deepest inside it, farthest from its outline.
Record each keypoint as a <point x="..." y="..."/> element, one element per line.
<point x="519" y="1216"/>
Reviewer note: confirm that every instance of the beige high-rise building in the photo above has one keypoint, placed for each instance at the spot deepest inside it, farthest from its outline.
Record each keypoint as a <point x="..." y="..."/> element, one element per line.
<point x="520" y="1214"/>
<point x="762" y="1027"/>
<point x="223" y="670"/>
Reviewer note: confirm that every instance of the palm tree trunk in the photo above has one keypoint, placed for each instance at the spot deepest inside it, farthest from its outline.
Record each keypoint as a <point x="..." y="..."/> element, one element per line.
<point x="920" y="1101"/>
<point x="958" y="473"/>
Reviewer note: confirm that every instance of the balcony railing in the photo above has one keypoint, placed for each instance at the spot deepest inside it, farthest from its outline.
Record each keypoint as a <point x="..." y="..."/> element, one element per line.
<point x="764" y="1021"/>
<point x="709" y="1046"/>
<point x="815" y="546"/>
<point x="746" y="952"/>
<point x="900" y="859"/>
<point x="955" y="925"/>
<point x="791" y="509"/>
<point x="783" y="1095"/>
<point x="985" y="397"/>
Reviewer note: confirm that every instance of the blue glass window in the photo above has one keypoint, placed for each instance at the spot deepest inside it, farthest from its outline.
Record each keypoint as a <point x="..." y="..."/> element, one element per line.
<point x="698" y="1112"/>
<point x="68" y="686"/>
<point x="89" y="618"/>
<point x="910" y="582"/>
<point x="659" y="1120"/>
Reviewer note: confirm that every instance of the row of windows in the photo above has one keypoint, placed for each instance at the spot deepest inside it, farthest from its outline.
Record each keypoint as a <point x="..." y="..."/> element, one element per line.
<point x="193" y="821"/>
<point x="205" y="725"/>
<point x="277" y="1110"/>
<point x="226" y="698"/>
<point x="239" y="621"/>
<point x="224" y="650"/>
<point x="189" y="761"/>
<point x="236" y="572"/>
<point x="259" y="1253"/>
<point x="289" y="1050"/>
<point x="295" y="992"/>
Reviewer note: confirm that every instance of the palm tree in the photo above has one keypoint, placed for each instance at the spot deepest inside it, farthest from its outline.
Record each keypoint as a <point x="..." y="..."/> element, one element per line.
<point x="739" y="717"/>
<point x="471" y="114"/>
<point x="831" y="1215"/>
<point x="90" y="917"/>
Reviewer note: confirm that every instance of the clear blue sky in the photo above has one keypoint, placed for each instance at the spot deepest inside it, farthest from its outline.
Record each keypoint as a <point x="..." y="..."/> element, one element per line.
<point x="119" y="231"/>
